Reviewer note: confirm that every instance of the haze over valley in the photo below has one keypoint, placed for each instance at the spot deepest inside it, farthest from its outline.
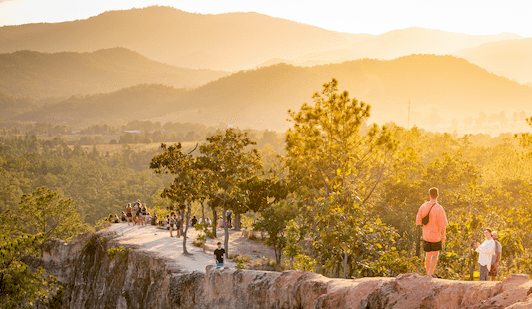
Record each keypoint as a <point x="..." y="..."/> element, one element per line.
<point x="248" y="69"/>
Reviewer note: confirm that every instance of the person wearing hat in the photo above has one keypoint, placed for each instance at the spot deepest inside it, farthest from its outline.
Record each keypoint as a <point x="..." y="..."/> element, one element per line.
<point x="496" y="256"/>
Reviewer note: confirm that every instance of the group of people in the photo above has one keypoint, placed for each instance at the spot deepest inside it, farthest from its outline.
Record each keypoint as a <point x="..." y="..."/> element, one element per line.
<point x="431" y="216"/>
<point x="138" y="214"/>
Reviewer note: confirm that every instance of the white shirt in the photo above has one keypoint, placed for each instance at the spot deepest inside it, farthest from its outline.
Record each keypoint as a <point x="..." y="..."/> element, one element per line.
<point x="485" y="252"/>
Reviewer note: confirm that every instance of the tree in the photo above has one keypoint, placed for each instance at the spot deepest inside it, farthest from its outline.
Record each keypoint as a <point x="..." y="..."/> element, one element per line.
<point x="228" y="160"/>
<point x="335" y="166"/>
<point x="293" y="237"/>
<point x="45" y="212"/>
<point x="187" y="185"/>
<point x="273" y="220"/>
<point x="20" y="287"/>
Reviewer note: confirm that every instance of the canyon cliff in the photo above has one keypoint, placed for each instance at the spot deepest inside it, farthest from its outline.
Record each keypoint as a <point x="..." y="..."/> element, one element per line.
<point x="98" y="271"/>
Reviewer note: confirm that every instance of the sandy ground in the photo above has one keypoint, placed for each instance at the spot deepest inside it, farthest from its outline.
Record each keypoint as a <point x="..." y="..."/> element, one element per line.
<point x="153" y="239"/>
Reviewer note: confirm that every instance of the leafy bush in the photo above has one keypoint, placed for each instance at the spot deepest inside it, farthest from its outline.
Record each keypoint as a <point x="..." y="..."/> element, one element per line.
<point x="304" y="263"/>
<point x="240" y="261"/>
<point x="121" y="251"/>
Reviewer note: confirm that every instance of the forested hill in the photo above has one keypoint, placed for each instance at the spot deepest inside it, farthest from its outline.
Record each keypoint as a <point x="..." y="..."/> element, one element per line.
<point x="11" y="106"/>
<point x="443" y="87"/>
<point x="225" y="42"/>
<point x="137" y="102"/>
<point x="40" y="75"/>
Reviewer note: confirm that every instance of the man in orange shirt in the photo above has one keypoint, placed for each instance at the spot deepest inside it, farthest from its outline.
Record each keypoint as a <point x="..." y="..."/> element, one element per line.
<point x="433" y="231"/>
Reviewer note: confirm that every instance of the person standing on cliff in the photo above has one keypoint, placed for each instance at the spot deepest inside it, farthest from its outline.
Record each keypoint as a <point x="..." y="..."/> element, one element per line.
<point x="433" y="231"/>
<point x="485" y="253"/>
<point x="129" y="214"/>
<point x="496" y="258"/>
<point x="219" y="255"/>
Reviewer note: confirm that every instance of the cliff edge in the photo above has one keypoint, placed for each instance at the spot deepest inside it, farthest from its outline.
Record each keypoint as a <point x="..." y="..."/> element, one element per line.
<point x="108" y="270"/>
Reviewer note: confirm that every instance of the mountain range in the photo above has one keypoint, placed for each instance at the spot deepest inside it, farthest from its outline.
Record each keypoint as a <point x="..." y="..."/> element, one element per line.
<point x="435" y="86"/>
<point x="40" y="75"/>
<point x="510" y="58"/>
<point x="223" y="42"/>
<point x="236" y="41"/>
<point x="158" y="63"/>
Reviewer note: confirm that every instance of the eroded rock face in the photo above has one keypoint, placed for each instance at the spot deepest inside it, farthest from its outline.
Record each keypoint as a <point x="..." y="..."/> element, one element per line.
<point x="96" y="277"/>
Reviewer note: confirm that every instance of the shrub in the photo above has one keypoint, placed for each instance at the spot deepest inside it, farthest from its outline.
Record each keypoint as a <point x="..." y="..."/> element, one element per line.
<point x="304" y="263"/>
<point x="121" y="251"/>
<point x="240" y="261"/>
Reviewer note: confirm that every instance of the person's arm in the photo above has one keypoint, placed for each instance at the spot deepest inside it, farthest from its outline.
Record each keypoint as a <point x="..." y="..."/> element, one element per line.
<point x="443" y="237"/>
<point x="486" y="248"/>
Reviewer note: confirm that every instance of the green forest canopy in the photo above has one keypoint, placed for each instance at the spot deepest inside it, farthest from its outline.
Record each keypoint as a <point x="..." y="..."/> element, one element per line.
<point x="483" y="181"/>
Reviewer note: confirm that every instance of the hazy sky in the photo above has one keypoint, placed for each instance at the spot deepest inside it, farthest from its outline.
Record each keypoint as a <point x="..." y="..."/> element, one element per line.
<point x="367" y="16"/>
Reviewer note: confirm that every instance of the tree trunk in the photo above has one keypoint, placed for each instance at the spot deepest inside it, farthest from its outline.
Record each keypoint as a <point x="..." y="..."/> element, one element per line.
<point x="226" y="233"/>
<point x="278" y="254"/>
<point x="214" y="222"/>
<point x="186" y="228"/>
<point x="418" y="241"/>
<point x="202" y="211"/>
<point x="471" y="268"/>
<point x="345" y="261"/>
<point x="236" y="224"/>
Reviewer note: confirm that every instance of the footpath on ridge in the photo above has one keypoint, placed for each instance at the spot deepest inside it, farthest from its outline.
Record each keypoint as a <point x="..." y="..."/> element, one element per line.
<point x="158" y="241"/>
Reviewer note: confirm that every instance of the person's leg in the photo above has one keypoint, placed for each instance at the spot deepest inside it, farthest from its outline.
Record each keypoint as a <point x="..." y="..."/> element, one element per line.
<point x="430" y="261"/>
<point x="483" y="273"/>
<point x="428" y="256"/>
<point x="493" y="273"/>
<point x="434" y="261"/>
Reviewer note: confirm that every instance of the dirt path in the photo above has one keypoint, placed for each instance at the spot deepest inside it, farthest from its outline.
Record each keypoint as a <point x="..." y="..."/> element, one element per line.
<point x="153" y="239"/>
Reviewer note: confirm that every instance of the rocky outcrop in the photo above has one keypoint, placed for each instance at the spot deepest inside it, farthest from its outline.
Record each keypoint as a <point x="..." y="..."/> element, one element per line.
<point x="97" y="273"/>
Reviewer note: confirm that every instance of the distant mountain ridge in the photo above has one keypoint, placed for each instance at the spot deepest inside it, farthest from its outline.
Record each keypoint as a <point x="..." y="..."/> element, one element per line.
<point x="38" y="75"/>
<point x="224" y="42"/>
<point x="436" y="86"/>
<point x="404" y="42"/>
<point x="229" y="42"/>
<point x="510" y="58"/>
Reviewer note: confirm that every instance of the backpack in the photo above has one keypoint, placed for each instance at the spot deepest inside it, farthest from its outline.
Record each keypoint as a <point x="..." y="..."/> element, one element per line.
<point x="425" y="219"/>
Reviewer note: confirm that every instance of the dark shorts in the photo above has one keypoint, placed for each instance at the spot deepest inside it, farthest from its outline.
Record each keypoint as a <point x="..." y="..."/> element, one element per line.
<point x="129" y="214"/>
<point x="431" y="246"/>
